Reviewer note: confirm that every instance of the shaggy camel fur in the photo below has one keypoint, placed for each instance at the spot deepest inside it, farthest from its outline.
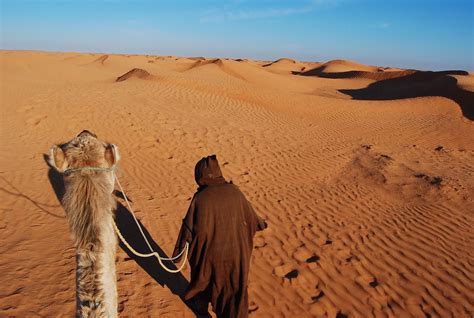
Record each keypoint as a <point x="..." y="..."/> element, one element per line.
<point x="89" y="205"/>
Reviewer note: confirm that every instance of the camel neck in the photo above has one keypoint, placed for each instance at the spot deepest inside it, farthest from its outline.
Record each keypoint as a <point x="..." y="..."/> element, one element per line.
<point x="89" y="206"/>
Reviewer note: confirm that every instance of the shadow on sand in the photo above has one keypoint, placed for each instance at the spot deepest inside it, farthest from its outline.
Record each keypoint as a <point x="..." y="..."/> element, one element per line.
<point x="176" y="283"/>
<point x="419" y="84"/>
<point x="126" y="224"/>
<point x="406" y="84"/>
<point x="14" y="191"/>
<point x="56" y="180"/>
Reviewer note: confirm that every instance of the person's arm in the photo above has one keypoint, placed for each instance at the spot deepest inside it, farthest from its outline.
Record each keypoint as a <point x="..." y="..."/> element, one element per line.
<point x="186" y="232"/>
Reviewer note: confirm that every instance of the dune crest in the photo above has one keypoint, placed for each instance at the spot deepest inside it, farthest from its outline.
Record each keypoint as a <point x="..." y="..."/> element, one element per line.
<point x="341" y="69"/>
<point x="225" y="66"/>
<point x="338" y="66"/>
<point x="202" y="62"/>
<point x="197" y="58"/>
<point x="283" y="60"/>
<point x="134" y="73"/>
<point x="285" y="66"/>
<point x="101" y="59"/>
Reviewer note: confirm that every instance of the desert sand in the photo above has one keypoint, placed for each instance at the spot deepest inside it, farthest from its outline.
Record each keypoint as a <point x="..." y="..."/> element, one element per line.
<point x="365" y="175"/>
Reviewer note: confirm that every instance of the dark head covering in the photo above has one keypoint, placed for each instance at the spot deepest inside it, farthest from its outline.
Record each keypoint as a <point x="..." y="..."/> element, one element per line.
<point x="207" y="172"/>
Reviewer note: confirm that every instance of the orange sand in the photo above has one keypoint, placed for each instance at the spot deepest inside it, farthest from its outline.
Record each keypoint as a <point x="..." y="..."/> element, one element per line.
<point x="369" y="199"/>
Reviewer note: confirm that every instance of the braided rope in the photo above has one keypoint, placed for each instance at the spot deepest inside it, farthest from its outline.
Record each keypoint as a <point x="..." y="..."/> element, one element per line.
<point x="153" y="253"/>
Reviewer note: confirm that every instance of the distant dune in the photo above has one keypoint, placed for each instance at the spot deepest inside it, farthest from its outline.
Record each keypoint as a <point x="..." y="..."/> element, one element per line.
<point x="198" y="58"/>
<point x="365" y="175"/>
<point x="101" y="59"/>
<point x="285" y="66"/>
<point x="134" y="73"/>
<point x="226" y="66"/>
<point x="201" y="62"/>
<point x="410" y="84"/>
<point x="340" y="66"/>
<point x="282" y="61"/>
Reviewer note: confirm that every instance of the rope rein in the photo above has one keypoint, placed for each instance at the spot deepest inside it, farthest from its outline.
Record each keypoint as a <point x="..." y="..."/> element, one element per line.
<point x="153" y="253"/>
<point x="72" y="170"/>
<point x="119" y="234"/>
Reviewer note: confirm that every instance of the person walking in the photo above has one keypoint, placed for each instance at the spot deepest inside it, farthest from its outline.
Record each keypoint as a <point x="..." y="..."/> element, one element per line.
<point x="219" y="226"/>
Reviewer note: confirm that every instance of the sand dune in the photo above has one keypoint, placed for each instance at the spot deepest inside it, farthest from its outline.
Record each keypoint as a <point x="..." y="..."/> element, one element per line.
<point x="347" y="69"/>
<point x="134" y="73"/>
<point x="417" y="84"/>
<point x="201" y="62"/>
<point x="465" y="82"/>
<point x="281" y="61"/>
<point x="366" y="182"/>
<point x="214" y="66"/>
<point x="285" y="66"/>
<point x="393" y="83"/>
<point x="376" y="75"/>
<point x="339" y="66"/>
<point x="101" y="59"/>
<point x="197" y="58"/>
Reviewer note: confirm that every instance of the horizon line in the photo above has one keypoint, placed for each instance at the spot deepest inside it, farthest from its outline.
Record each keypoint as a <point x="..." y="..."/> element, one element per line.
<point x="229" y="58"/>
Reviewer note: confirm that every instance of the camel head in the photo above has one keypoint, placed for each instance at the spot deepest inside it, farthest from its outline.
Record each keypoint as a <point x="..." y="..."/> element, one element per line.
<point x="85" y="150"/>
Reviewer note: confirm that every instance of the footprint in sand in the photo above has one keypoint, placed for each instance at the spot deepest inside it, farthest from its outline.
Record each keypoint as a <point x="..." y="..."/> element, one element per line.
<point x="287" y="271"/>
<point x="302" y="253"/>
<point x="259" y="242"/>
<point x="313" y="259"/>
<point x="291" y="275"/>
<point x="252" y="307"/>
<point x="367" y="280"/>
<point x="321" y="240"/>
<point x="374" y="283"/>
<point x="318" y="296"/>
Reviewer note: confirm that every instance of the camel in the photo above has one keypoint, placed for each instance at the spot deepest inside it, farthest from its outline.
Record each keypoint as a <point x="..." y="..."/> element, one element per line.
<point x="87" y="165"/>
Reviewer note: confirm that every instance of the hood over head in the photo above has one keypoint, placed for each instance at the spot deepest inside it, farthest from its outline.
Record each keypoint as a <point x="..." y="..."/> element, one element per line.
<point x="207" y="172"/>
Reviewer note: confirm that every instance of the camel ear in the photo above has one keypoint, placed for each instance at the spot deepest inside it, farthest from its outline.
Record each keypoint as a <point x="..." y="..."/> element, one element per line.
<point x="57" y="159"/>
<point x="112" y="155"/>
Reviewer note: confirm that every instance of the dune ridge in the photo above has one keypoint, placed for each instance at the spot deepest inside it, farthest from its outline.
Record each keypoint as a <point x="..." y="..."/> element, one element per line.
<point x="338" y="66"/>
<point x="285" y="66"/>
<point x="281" y="61"/>
<point x="134" y="73"/>
<point x="101" y="59"/>
<point x="223" y="65"/>
<point x="401" y="85"/>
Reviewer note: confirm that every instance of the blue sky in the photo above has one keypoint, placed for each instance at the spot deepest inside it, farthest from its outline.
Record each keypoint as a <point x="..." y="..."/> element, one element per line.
<point x="422" y="34"/>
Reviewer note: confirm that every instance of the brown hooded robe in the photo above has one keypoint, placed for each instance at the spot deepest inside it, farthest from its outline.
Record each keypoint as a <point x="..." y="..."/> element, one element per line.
<point x="220" y="225"/>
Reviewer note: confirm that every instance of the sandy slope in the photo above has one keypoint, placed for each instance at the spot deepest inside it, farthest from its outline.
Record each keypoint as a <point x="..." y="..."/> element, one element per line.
<point x="369" y="202"/>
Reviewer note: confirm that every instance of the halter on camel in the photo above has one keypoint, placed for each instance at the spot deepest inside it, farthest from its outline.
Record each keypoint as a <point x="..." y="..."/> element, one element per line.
<point x="119" y="234"/>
